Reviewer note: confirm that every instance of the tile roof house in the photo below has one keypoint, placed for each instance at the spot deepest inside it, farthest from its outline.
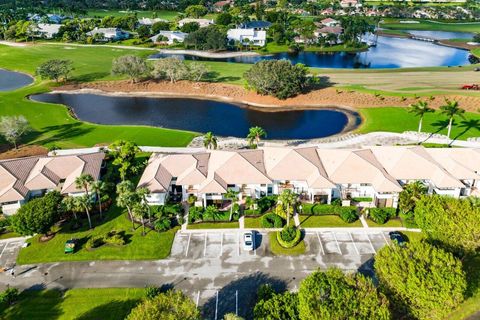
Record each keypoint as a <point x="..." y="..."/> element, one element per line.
<point x="201" y="22"/>
<point x="24" y="178"/>
<point x="320" y="175"/>
<point x="109" y="34"/>
<point x="47" y="30"/>
<point x="150" y="21"/>
<point x="247" y="36"/>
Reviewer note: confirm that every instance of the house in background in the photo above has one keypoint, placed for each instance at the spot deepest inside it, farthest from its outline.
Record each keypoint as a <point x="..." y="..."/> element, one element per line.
<point x="26" y="178"/>
<point x="169" y="37"/>
<point x="329" y="22"/>
<point x="47" y="30"/>
<point x="257" y="25"/>
<point x="108" y="34"/>
<point x="247" y="36"/>
<point x="201" y="22"/>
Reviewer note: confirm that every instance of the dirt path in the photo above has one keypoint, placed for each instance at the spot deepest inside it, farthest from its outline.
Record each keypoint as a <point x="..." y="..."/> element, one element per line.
<point x="326" y="97"/>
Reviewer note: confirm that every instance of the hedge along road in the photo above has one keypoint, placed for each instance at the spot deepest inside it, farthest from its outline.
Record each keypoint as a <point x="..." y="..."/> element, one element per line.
<point x="53" y="125"/>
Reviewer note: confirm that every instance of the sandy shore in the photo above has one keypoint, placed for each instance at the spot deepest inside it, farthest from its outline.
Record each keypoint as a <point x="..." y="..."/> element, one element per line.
<point x="320" y="98"/>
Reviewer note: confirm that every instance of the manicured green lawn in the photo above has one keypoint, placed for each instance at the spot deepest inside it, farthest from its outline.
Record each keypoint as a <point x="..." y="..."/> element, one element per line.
<point x="325" y="221"/>
<point x="154" y="245"/>
<point x="253" y="223"/>
<point x="8" y="235"/>
<point x="278" y="250"/>
<point x="163" y="14"/>
<point x="392" y="223"/>
<point x="429" y="25"/>
<point x="400" y="120"/>
<point x="276" y="48"/>
<point x="213" y="225"/>
<point x="111" y="303"/>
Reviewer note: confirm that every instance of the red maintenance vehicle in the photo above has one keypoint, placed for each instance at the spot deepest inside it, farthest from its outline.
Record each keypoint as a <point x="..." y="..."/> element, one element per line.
<point x="471" y="87"/>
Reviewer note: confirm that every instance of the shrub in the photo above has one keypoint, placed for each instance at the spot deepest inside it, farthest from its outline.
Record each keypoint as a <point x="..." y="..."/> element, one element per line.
<point x="336" y="202"/>
<point x="348" y="214"/>
<point x="378" y="215"/>
<point x="95" y="242"/>
<point x="195" y="214"/>
<point x="151" y="292"/>
<point x="9" y="296"/>
<point x="266" y="203"/>
<point x="114" y="238"/>
<point x="289" y="237"/>
<point x="163" y="224"/>
<point x="362" y="199"/>
<point x="271" y="220"/>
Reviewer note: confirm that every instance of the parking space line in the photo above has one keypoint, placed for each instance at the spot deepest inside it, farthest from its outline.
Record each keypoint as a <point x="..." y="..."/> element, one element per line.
<point x="216" y="308"/>
<point x="321" y="245"/>
<point x="198" y="298"/>
<point x="236" y="302"/>
<point x="336" y="241"/>
<point x="205" y="246"/>
<point x="353" y="242"/>
<point x="188" y="244"/>
<point x="5" y="247"/>
<point x="221" y="244"/>
<point x="371" y="245"/>
<point x="254" y="244"/>
<point x="385" y="238"/>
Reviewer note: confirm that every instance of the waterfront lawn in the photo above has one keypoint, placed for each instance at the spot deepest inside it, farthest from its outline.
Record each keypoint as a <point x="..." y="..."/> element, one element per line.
<point x="153" y="245"/>
<point x="278" y="48"/>
<point x="109" y="303"/>
<point x="326" y="221"/>
<point x="213" y="225"/>
<point x="430" y="25"/>
<point x="400" y="120"/>
<point x="278" y="250"/>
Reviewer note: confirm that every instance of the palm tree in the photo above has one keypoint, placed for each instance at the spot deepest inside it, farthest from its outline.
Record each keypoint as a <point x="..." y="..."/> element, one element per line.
<point x="209" y="141"/>
<point x="142" y="194"/>
<point x="138" y="211"/>
<point x="127" y="197"/>
<point x="83" y="182"/>
<point x="410" y="195"/>
<point x="99" y="187"/>
<point x="70" y="205"/>
<point x="451" y="109"/>
<point x="211" y="212"/>
<point x="85" y="203"/>
<point x="255" y="134"/>
<point x="286" y="199"/>
<point x="232" y="195"/>
<point x="420" y="109"/>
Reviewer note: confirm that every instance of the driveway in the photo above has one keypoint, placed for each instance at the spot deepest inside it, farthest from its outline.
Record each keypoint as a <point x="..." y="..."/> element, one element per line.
<point x="211" y="267"/>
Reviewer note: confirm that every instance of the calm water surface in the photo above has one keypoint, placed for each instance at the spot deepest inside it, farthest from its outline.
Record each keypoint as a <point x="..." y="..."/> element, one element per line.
<point x="441" y="35"/>
<point x="221" y="118"/>
<point x="10" y="80"/>
<point x="389" y="53"/>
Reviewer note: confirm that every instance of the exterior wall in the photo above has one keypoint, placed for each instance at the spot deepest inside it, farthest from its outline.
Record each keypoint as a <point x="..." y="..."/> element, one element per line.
<point x="156" y="199"/>
<point x="448" y="192"/>
<point x="11" y="208"/>
<point x="256" y="38"/>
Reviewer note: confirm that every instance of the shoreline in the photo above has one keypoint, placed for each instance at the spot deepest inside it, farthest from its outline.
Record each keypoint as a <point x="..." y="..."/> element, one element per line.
<point x="208" y="54"/>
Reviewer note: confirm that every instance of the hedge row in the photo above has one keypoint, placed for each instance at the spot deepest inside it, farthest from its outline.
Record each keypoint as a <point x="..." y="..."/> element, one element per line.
<point x="348" y="214"/>
<point x="272" y="220"/>
<point x="381" y="215"/>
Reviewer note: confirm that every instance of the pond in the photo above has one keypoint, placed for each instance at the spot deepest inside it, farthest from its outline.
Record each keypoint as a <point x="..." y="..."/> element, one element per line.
<point x="223" y="119"/>
<point x="388" y="53"/>
<point x="10" y="80"/>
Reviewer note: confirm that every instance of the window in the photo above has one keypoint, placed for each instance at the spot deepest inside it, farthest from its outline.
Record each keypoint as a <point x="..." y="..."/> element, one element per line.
<point x="230" y="186"/>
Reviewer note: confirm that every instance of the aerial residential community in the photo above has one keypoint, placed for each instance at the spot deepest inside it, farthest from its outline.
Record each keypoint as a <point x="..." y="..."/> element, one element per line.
<point x="240" y="159"/>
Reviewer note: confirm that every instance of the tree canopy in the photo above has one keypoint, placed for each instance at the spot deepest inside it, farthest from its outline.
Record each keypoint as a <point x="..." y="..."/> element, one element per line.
<point x="421" y="280"/>
<point x="335" y="295"/>
<point x="171" y="305"/>
<point x="124" y="153"/>
<point x="208" y="38"/>
<point x="132" y="66"/>
<point x="38" y="215"/>
<point x="55" y="69"/>
<point x="278" y="78"/>
<point x="455" y="223"/>
<point x="13" y="128"/>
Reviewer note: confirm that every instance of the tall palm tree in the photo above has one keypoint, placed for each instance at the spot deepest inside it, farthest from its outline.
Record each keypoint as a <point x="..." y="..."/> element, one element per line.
<point x="255" y="134"/>
<point x="70" y="205"/>
<point x="142" y="194"/>
<point x="98" y="188"/>
<point x="420" y="109"/>
<point x="232" y="195"/>
<point x="85" y="203"/>
<point x="286" y="199"/>
<point x="127" y="197"/>
<point x="451" y="109"/>
<point x="210" y="141"/>
<point x="138" y="211"/>
<point x="83" y="182"/>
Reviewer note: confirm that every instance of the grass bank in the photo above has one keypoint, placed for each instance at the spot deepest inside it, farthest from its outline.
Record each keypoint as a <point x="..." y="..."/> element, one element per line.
<point x="430" y="25"/>
<point x="105" y="304"/>
<point x="278" y="250"/>
<point x="153" y="245"/>
<point x="326" y="221"/>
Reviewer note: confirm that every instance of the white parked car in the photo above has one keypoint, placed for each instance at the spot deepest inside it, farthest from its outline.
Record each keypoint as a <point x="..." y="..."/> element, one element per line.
<point x="248" y="241"/>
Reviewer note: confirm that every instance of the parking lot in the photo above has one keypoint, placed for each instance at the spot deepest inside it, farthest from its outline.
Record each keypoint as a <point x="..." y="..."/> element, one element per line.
<point x="8" y="252"/>
<point x="229" y="244"/>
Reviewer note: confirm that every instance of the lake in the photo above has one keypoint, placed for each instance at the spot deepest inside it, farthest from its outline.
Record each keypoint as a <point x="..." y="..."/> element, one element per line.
<point x="388" y="53"/>
<point x="10" y="80"/>
<point x="223" y="119"/>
